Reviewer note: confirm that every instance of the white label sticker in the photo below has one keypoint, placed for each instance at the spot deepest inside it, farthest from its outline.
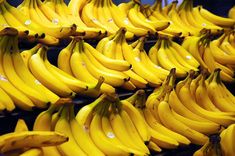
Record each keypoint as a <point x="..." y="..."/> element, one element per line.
<point x="203" y="24"/>
<point x="55" y="21"/>
<point x="86" y="128"/>
<point x="110" y="135"/>
<point x="188" y="57"/>
<point x="137" y="59"/>
<point x="126" y="21"/>
<point x="157" y="66"/>
<point x="110" y="20"/>
<point x="84" y="64"/>
<point x="94" y="19"/>
<point x="37" y="82"/>
<point x="5" y="25"/>
<point x="27" y="22"/>
<point x="3" y="78"/>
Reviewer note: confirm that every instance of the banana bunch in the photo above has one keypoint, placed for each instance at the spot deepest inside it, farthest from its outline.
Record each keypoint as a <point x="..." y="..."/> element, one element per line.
<point x="142" y="71"/>
<point x="107" y="126"/>
<point x="211" y="55"/>
<point x="187" y="20"/>
<point x="231" y="13"/>
<point x="87" y="64"/>
<point x="57" y="80"/>
<point x="18" y="86"/>
<point x="23" y="142"/>
<point x="31" y="16"/>
<point x="168" y="54"/>
<point x="103" y="14"/>
<point x="194" y="104"/>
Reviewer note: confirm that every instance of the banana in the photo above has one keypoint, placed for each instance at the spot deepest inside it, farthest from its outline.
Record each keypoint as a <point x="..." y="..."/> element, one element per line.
<point x="112" y="77"/>
<point x="63" y="126"/>
<point x="100" y="45"/>
<point x="38" y="99"/>
<point x="179" y="108"/>
<point x="138" y="81"/>
<point x="157" y="126"/>
<point x="104" y="141"/>
<point x="32" y="152"/>
<point x="137" y="65"/>
<point x="114" y="64"/>
<point x="207" y="149"/>
<point x="211" y="63"/>
<point x="76" y="6"/>
<point x="134" y="18"/>
<point x="5" y="101"/>
<point x="217" y="20"/>
<point x="194" y="50"/>
<point x="216" y="95"/>
<point x="170" y="121"/>
<point x="123" y="21"/>
<point x="39" y="70"/>
<point x="187" y="100"/>
<point x="30" y="139"/>
<point x="125" y="7"/>
<point x="64" y="57"/>
<point x="202" y="97"/>
<point x="167" y="61"/>
<point x="89" y="16"/>
<point x="73" y="83"/>
<point x="137" y="119"/>
<point x="82" y="137"/>
<point x="43" y="122"/>
<point x="221" y="56"/>
<point x="81" y="72"/>
<point x="226" y="136"/>
<point x="85" y="114"/>
<point x="21" y="126"/>
<point x="202" y="127"/>
<point x="132" y="131"/>
<point x="51" y="14"/>
<point x="154" y="147"/>
<point x="231" y="13"/>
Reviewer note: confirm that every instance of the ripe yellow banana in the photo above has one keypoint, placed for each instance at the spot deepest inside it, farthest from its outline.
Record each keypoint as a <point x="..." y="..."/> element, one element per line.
<point x="231" y="13"/>
<point x="220" y="21"/>
<point x="39" y="70"/>
<point x="63" y="126"/>
<point x="30" y="139"/>
<point x="171" y="122"/>
<point x="43" y="122"/>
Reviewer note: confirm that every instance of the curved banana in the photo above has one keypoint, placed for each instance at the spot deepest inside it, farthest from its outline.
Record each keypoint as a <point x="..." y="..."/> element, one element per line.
<point x="43" y="122"/>
<point x="170" y="121"/>
<point x="32" y="152"/>
<point x="81" y="72"/>
<point x="187" y="100"/>
<point x="231" y="13"/>
<point x="63" y="126"/>
<point x="220" y="21"/>
<point x="102" y="140"/>
<point x="81" y="136"/>
<point x="114" y="64"/>
<point x="30" y="139"/>
<point x="39" y="70"/>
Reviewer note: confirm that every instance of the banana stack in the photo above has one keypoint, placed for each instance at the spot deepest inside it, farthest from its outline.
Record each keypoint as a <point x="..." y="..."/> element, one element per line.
<point x="31" y="17"/>
<point x="23" y="142"/>
<point x="107" y="126"/>
<point x="202" y="106"/>
<point x="213" y="54"/>
<point x="167" y="54"/>
<point x="142" y="71"/>
<point x="103" y="14"/>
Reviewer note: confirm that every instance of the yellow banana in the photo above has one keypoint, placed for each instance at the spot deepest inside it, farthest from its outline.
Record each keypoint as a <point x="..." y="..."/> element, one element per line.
<point x="63" y="126"/>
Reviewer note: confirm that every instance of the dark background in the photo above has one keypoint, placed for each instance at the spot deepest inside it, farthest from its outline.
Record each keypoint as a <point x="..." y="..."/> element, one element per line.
<point x="219" y="7"/>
